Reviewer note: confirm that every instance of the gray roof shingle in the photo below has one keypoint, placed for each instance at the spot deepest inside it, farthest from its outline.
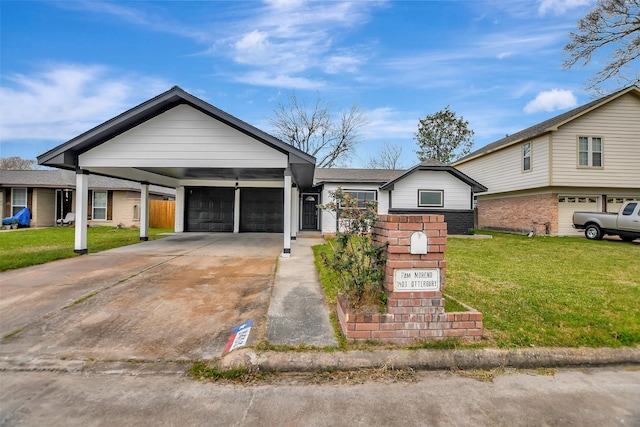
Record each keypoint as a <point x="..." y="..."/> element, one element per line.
<point x="59" y="178"/>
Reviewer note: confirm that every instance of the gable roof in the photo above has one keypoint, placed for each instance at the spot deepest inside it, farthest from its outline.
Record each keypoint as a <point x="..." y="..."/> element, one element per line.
<point x="549" y="125"/>
<point x="65" y="156"/>
<point x="63" y="179"/>
<point x="435" y="165"/>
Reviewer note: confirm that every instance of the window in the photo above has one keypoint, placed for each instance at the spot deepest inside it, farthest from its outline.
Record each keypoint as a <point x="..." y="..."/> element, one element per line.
<point x="99" y="205"/>
<point x="18" y="200"/>
<point x="590" y="151"/>
<point x="430" y="198"/>
<point x="526" y="156"/>
<point x="628" y="210"/>
<point x="362" y="196"/>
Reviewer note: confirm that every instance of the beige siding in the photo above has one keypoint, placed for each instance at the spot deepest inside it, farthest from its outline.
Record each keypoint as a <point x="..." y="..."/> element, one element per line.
<point x="43" y="209"/>
<point x="502" y="171"/>
<point x="183" y="137"/>
<point x="457" y="194"/>
<point x="618" y="123"/>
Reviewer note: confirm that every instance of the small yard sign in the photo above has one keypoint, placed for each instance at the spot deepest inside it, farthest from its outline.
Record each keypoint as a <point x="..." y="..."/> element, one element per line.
<point x="239" y="337"/>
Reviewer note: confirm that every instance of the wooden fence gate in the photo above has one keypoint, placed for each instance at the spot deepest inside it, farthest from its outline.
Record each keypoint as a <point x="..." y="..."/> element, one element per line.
<point x="162" y="213"/>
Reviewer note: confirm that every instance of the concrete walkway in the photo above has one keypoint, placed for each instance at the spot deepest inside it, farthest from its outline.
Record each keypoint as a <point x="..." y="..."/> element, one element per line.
<point x="298" y="313"/>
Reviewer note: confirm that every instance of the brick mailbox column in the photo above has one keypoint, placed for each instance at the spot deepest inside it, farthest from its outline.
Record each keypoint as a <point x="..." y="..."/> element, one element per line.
<point x="414" y="282"/>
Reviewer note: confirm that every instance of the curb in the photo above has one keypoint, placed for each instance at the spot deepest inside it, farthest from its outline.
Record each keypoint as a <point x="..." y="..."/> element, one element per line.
<point x="428" y="359"/>
<point x="314" y="361"/>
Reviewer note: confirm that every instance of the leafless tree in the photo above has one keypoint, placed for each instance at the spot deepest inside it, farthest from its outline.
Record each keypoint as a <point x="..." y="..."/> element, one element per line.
<point x="387" y="158"/>
<point x="315" y="131"/>
<point x="17" y="163"/>
<point x="614" y="24"/>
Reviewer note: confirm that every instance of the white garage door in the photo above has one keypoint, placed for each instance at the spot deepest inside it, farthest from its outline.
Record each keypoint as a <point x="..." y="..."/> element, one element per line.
<point x="615" y="203"/>
<point x="567" y="205"/>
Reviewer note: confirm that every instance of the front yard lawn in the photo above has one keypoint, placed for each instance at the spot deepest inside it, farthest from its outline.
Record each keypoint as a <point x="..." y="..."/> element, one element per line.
<point x="549" y="291"/>
<point x="544" y="291"/>
<point x="22" y="248"/>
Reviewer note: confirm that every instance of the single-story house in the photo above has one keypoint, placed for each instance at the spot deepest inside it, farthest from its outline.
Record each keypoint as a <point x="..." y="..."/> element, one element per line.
<point x="49" y="195"/>
<point x="430" y="187"/>
<point x="229" y="176"/>
<point x="586" y="159"/>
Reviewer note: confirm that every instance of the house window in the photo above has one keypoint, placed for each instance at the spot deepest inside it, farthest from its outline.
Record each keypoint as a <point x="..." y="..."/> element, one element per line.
<point x="590" y="151"/>
<point x="362" y="196"/>
<point x="430" y="198"/>
<point x="18" y="200"/>
<point x="99" y="205"/>
<point x="526" y="156"/>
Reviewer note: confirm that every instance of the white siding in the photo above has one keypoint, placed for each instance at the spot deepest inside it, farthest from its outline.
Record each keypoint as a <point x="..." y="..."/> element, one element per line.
<point x="502" y="170"/>
<point x="183" y="137"/>
<point x="329" y="218"/>
<point x="618" y="123"/>
<point x="457" y="194"/>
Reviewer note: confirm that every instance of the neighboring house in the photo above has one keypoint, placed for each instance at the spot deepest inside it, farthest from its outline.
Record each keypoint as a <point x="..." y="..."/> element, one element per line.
<point x="587" y="159"/>
<point x="50" y="195"/>
<point x="430" y="187"/>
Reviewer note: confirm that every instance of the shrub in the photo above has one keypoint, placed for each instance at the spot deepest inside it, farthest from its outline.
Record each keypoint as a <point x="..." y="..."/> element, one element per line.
<point x="356" y="259"/>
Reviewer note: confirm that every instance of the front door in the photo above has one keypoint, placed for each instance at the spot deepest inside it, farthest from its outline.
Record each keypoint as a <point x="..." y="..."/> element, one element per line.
<point x="310" y="212"/>
<point x="64" y="203"/>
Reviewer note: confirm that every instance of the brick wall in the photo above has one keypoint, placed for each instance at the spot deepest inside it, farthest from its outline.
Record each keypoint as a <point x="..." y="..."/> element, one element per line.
<point x="520" y="214"/>
<point x="411" y="316"/>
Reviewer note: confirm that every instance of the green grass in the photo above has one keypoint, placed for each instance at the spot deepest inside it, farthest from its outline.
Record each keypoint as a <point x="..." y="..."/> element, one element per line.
<point x="542" y="291"/>
<point x="24" y="248"/>
<point x="549" y="291"/>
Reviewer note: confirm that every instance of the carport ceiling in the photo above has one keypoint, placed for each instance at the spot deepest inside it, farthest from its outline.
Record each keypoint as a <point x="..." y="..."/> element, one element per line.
<point x="219" y="173"/>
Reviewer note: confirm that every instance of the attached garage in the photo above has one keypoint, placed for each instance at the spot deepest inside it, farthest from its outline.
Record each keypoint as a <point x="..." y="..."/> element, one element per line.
<point x="228" y="176"/>
<point x="261" y="210"/>
<point x="567" y="205"/>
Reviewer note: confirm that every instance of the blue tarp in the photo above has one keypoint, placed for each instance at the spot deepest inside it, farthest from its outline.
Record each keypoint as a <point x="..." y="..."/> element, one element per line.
<point x="23" y="217"/>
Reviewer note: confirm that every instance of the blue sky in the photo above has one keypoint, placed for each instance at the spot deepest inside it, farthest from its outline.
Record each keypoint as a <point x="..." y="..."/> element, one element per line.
<point x="67" y="66"/>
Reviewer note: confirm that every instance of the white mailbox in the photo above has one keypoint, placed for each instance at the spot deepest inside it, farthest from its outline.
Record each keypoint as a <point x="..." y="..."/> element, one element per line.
<point x="419" y="243"/>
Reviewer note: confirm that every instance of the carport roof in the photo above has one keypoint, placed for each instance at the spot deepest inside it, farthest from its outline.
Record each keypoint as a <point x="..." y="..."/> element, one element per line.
<point x="65" y="156"/>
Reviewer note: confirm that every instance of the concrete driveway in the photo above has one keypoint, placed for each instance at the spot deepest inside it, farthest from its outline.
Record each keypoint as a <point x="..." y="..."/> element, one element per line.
<point x="176" y="298"/>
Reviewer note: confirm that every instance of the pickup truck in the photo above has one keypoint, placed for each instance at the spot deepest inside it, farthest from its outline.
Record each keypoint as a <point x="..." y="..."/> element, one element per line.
<point x="625" y="223"/>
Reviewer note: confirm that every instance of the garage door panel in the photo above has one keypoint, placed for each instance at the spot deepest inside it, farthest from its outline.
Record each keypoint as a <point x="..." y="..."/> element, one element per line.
<point x="567" y="205"/>
<point x="262" y="210"/>
<point x="210" y="209"/>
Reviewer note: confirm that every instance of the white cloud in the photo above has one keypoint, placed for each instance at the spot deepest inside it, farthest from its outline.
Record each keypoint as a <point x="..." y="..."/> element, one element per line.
<point x="65" y="100"/>
<point x="560" y="6"/>
<point x="554" y="99"/>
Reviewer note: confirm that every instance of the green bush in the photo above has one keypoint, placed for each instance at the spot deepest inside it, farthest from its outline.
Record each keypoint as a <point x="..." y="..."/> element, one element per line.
<point x="355" y="258"/>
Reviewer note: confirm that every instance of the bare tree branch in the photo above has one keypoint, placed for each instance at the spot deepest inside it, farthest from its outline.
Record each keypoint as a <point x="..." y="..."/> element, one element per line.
<point x="609" y="23"/>
<point x="17" y="163"/>
<point x="314" y="130"/>
<point x="387" y="158"/>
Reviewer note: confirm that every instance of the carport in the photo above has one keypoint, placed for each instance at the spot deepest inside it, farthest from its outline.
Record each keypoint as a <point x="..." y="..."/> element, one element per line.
<point x="229" y="176"/>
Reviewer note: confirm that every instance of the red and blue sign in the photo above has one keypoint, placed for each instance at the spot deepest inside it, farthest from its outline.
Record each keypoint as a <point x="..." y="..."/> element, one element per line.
<point x="239" y="337"/>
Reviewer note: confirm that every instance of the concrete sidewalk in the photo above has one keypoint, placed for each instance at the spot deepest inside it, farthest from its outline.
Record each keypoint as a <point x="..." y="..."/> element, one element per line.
<point x="298" y="313"/>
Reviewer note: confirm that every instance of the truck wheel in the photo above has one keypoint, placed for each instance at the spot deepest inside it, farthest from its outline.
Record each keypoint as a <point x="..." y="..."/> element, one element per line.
<point x="593" y="232"/>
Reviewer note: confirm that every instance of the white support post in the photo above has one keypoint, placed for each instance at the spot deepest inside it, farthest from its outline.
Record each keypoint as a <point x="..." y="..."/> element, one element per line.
<point x="144" y="211"/>
<point x="178" y="225"/>
<point x="295" y="212"/>
<point x="236" y="209"/>
<point x="82" y="206"/>
<point x="286" y="252"/>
